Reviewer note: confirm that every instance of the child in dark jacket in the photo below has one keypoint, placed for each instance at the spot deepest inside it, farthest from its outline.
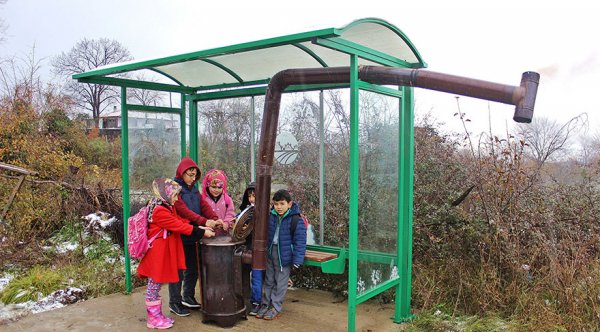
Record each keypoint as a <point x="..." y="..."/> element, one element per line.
<point x="192" y="207"/>
<point x="248" y="199"/>
<point x="163" y="260"/>
<point x="284" y="252"/>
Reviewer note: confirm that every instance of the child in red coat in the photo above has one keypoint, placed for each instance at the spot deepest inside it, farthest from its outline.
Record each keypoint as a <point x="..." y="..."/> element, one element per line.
<point x="165" y="257"/>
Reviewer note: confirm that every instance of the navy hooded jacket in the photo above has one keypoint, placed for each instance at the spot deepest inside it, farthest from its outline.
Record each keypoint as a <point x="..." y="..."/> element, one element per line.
<point x="291" y="248"/>
<point x="190" y="205"/>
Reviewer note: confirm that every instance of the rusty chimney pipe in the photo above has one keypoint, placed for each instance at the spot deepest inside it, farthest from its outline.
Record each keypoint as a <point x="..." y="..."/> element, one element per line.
<point x="523" y="97"/>
<point x="266" y="147"/>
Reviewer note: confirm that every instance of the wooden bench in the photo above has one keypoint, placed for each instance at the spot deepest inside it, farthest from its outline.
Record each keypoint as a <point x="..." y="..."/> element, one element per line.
<point x="318" y="256"/>
<point x="329" y="259"/>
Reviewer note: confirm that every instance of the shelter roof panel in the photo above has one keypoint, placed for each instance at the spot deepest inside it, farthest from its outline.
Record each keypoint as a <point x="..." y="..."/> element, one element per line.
<point x="375" y="41"/>
<point x="387" y="40"/>
<point x="255" y="65"/>
<point x="197" y="72"/>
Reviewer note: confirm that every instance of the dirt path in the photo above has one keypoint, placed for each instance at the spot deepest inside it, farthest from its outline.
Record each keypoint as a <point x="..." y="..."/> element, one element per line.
<point x="304" y="310"/>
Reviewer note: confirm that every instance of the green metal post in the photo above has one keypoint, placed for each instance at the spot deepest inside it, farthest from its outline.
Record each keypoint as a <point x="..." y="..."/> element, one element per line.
<point x="125" y="182"/>
<point x="194" y="130"/>
<point x="353" y="231"/>
<point x="321" y="168"/>
<point x="252" y="139"/>
<point x="182" y="126"/>
<point x="406" y="162"/>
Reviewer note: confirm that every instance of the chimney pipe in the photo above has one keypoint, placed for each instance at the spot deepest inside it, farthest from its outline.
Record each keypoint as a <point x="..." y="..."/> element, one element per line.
<point x="523" y="97"/>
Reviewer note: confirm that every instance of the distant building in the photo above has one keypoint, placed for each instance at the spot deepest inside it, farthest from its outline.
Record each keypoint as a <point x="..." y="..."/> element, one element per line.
<point x="110" y="123"/>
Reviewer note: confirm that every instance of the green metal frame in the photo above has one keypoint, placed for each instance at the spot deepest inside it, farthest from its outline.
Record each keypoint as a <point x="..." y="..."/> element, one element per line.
<point x="330" y="38"/>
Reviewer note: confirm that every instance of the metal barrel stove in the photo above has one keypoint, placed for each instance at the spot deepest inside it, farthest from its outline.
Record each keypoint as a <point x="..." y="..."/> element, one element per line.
<point x="222" y="278"/>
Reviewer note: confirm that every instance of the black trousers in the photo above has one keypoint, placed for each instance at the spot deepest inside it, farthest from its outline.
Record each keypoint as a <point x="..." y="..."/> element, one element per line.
<point x="188" y="278"/>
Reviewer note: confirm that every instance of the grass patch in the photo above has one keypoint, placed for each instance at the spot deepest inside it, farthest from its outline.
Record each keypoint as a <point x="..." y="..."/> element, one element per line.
<point x="438" y="320"/>
<point x="99" y="276"/>
<point x="38" y="282"/>
<point x="96" y="266"/>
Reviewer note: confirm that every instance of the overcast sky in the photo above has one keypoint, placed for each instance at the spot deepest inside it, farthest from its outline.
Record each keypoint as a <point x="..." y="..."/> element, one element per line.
<point x="461" y="37"/>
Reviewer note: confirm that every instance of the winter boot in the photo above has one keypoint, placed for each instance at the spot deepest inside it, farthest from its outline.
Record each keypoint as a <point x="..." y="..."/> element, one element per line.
<point x="156" y="320"/>
<point x="165" y="317"/>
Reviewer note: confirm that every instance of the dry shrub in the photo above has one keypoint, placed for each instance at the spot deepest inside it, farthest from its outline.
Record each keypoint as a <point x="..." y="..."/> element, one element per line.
<point x="566" y="291"/>
<point x="65" y="187"/>
<point x="523" y="243"/>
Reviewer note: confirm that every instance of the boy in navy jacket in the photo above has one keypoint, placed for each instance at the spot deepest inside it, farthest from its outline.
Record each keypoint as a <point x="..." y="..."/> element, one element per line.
<point x="284" y="252"/>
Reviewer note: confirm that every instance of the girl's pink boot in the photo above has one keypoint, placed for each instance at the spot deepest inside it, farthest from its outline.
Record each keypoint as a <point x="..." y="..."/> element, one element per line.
<point x="156" y="320"/>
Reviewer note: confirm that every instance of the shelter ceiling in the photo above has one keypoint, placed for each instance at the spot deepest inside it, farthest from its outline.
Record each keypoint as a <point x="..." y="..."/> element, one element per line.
<point x="375" y="41"/>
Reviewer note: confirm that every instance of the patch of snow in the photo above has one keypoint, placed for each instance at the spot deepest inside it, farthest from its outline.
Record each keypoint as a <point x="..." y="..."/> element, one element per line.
<point x="101" y="219"/>
<point x="53" y="301"/>
<point x="62" y="248"/>
<point x="45" y="304"/>
<point x="4" y="280"/>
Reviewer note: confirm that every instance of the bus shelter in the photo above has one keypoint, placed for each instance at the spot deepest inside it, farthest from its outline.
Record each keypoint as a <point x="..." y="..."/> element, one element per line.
<point x="336" y="130"/>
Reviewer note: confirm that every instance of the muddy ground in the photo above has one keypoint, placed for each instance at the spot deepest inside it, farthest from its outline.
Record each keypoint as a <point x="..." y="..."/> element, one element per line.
<point x="304" y="310"/>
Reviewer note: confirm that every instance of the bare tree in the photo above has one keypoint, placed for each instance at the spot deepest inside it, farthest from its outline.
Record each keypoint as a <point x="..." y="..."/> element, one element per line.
<point x="20" y="79"/>
<point x="88" y="54"/>
<point x="547" y="138"/>
<point x="144" y="96"/>
<point x="590" y="149"/>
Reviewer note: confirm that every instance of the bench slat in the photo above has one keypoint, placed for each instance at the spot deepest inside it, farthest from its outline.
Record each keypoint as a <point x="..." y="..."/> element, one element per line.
<point x="318" y="256"/>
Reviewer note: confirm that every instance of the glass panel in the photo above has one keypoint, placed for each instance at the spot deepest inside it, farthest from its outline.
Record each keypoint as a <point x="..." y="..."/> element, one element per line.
<point x="296" y="164"/>
<point x="379" y="117"/>
<point x="154" y="151"/>
<point x="337" y="160"/>
<point x="224" y="140"/>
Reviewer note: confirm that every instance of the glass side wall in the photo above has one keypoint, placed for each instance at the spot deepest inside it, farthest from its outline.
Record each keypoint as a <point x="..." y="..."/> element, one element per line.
<point x="154" y="151"/>
<point x="336" y="124"/>
<point x="225" y="139"/>
<point x="298" y="158"/>
<point x="379" y="118"/>
<point x="296" y="163"/>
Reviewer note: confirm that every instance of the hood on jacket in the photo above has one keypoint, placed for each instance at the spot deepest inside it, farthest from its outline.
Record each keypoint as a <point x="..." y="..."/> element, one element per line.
<point x="214" y="176"/>
<point x="185" y="164"/>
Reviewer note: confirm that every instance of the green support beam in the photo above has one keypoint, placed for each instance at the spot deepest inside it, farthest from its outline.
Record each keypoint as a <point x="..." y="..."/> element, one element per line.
<point x="353" y="210"/>
<point x="125" y="183"/>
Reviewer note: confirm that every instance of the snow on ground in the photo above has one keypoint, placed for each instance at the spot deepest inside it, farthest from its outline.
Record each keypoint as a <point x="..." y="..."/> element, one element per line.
<point x="60" y="298"/>
<point x="4" y="280"/>
<point x="99" y="219"/>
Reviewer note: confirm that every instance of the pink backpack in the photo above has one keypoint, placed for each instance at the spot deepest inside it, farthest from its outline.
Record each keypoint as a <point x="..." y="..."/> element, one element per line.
<point x="137" y="232"/>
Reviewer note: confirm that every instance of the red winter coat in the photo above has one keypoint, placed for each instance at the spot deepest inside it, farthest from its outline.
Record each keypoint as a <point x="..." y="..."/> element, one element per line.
<point x="166" y="255"/>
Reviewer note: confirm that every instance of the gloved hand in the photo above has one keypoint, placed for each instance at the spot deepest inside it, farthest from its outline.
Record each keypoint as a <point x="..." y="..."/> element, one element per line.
<point x="209" y="232"/>
<point x="197" y="232"/>
<point x="295" y="268"/>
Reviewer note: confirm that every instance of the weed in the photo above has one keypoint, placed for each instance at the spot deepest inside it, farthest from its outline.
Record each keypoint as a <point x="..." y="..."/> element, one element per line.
<point x="437" y="319"/>
<point x="35" y="284"/>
